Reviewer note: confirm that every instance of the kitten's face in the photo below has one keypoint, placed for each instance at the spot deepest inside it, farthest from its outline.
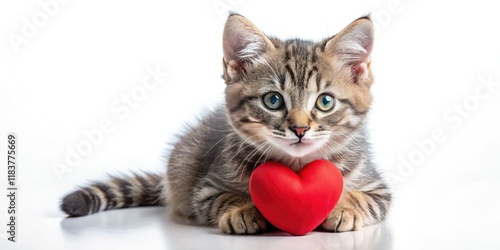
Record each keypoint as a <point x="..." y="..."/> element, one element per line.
<point x="297" y="97"/>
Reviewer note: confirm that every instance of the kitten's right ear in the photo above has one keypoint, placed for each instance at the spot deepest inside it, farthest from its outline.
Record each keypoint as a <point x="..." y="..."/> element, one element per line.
<point x="244" y="45"/>
<point x="352" y="47"/>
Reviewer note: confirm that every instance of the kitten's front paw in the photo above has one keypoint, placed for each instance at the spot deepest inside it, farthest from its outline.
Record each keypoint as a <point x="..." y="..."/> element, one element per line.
<point x="242" y="220"/>
<point x="343" y="219"/>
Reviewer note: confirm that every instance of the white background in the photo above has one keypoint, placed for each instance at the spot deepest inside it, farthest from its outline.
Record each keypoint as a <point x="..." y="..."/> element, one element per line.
<point x="431" y="59"/>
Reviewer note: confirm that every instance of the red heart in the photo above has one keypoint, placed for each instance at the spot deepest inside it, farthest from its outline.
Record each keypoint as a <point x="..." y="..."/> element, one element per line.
<point x="296" y="202"/>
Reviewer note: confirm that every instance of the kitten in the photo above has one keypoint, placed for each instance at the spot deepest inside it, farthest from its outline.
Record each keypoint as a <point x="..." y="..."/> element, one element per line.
<point x="290" y="101"/>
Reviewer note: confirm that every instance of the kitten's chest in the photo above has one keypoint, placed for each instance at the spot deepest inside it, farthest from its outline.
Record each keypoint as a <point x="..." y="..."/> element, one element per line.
<point x="297" y="163"/>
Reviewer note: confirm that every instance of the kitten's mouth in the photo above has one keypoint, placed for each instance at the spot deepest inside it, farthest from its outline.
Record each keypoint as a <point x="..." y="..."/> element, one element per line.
<point x="302" y="141"/>
<point x="296" y="147"/>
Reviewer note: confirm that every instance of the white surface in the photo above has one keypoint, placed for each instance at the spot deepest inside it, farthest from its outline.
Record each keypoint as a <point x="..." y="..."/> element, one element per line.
<point x="428" y="58"/>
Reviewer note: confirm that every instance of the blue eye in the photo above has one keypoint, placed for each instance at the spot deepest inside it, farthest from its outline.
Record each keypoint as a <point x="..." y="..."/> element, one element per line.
<point x="273" y="101"/>
<point x="325" y="102"/>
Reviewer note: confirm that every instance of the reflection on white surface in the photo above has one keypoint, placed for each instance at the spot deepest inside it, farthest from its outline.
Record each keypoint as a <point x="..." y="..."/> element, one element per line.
<point x="418" y="220"/>
<point x="150" y="226"/>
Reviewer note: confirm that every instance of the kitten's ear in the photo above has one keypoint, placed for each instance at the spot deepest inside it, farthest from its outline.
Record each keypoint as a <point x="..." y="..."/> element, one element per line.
<point x="244" y="45"/>
<point x="352" y="47"/>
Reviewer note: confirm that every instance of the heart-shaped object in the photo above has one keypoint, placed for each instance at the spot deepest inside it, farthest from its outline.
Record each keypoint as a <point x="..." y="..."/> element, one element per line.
<point x="296" y="202"/>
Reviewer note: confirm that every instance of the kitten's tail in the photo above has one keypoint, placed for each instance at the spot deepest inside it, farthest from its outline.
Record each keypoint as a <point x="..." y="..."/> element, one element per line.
<point x="134" y="191"/>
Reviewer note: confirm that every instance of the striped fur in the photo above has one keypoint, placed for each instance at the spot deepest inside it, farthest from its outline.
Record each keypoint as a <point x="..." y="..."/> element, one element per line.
<point x="209" y="168"/>
<point x="116" y="193"/>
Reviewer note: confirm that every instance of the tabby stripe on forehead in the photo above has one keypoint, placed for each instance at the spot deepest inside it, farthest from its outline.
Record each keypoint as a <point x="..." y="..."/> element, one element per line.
<point x="282" y="81"/>
<point x="289" y="47"/>
<point x="314" y="57"/>
<point x="314" y="69"/>
<point x="287" y="56"/>
<point x="318" y="80"/>
<point x="302" y="76"/>
<point x="289" y="70"/>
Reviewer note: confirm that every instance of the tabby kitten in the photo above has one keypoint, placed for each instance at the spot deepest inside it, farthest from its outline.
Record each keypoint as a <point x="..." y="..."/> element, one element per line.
<point x="290" y="101"/>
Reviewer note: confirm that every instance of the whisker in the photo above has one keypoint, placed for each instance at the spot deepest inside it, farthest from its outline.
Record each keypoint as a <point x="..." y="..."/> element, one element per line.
<point x="251" y="154"/>
<point x="269" y="146"/>
<point x="219" y="141"/>
<point x="230" y="146"/>
<point x="269" y="154"/>
<point x="258" y="160"/>
<point x="241" y="149"/>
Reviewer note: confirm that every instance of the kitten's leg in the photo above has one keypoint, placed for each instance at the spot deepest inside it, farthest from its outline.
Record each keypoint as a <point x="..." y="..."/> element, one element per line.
<point x="231" y="213"/>
<point x="357" y="209"/>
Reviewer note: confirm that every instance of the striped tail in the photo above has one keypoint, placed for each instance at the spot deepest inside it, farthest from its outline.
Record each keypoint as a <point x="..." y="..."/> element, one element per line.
<point x="116" y="193"/>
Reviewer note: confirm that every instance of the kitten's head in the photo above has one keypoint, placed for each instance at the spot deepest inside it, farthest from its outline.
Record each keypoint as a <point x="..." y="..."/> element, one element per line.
<point x="299" y="96"/>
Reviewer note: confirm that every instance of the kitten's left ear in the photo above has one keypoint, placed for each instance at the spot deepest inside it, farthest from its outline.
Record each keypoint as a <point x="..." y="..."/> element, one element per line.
<point x="244" y="46"/>
<point x="352" y="47"/>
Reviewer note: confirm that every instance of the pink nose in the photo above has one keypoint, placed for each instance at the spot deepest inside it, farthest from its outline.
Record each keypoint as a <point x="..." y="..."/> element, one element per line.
<point x="299" y="130"/>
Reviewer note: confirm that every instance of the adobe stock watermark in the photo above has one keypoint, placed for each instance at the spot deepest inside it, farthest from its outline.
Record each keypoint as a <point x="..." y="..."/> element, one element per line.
<point x="454" y="117"/>
<point x="383" y="18"/>
<point x="30" y="27"/>
<point x="122" y="106"/>
<point x="224" y="7"/>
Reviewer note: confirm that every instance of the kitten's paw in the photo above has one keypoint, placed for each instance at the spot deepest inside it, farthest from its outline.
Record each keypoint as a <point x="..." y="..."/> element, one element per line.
<point x="343" y="219"/>
<point x="242" y="220"/>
